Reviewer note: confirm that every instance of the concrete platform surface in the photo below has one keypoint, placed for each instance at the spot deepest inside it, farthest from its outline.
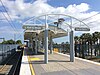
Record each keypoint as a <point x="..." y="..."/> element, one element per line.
<point x="59" y="64"/>
<point x="25" y="69"/>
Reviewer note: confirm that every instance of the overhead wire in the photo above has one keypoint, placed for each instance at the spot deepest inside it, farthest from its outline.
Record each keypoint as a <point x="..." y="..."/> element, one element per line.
<point x="11" y="23"/>
<point x="89" y="17"/>
<point x="7" y="19"/>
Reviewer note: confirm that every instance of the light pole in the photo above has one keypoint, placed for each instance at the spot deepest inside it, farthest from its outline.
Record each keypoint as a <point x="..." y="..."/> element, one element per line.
<point x="60" y="20"/>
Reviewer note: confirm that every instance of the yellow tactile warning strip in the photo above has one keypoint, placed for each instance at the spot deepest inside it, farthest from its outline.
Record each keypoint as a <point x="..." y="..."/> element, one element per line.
<point x="31" y="67"/>
<point x="55" y="49"/>
<point x="34" y="59"/>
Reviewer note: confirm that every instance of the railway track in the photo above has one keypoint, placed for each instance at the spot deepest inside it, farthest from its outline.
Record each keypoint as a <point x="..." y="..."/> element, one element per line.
<point x="11" y="65"/>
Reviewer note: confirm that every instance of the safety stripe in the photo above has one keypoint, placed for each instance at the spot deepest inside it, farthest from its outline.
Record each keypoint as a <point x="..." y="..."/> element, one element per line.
<point x="31" y="67"/>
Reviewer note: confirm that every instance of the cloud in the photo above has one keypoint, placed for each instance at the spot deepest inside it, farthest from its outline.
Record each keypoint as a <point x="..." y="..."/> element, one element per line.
<point x="9" y="30"/>
<point x="39" y="7"/>
<point x="20" y="10"/>
<point x="83" y="7"/>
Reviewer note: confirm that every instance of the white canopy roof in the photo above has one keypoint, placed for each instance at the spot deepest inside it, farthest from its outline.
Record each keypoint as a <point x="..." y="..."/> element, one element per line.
<point x="32" y="30"/>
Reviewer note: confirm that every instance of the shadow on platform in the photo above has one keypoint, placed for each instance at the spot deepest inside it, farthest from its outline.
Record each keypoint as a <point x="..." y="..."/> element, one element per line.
<point x="42" y="61"/>
<point x="58" y="61"/>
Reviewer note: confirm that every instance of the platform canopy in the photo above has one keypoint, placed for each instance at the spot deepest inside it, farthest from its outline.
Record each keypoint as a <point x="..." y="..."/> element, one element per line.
<point x="51" y="26"/>
<point x="58" y="26"/>
<point x="32" y="30"/>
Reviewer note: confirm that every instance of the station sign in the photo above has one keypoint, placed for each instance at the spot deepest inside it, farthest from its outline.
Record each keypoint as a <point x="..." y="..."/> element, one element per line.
<point x="82" y="29"/>
<point x="30" y="27"/>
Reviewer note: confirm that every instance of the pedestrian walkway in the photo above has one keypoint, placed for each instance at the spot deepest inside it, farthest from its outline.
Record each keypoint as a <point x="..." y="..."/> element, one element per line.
<point x="59" y="64"/>
<point x="25" y="69"/>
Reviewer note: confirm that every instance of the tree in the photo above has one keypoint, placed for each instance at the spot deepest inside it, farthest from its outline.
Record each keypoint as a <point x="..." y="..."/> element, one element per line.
<point x="8" y="42"/>
<point x="67" y="46"/>
<point x="86" y="37"/>
<point x="62" y="44"/>
<point x="76" y="38"/>
<point x="88" y="40"/>
<point x="94" y="41"/>
<point x="4" y="42"/>
<point x="96" y="38"/>
<point x="86" y="44"/>
<point x="18" y="42"/>
<point x="82" y="37"/>
<point x="12" y="42"/>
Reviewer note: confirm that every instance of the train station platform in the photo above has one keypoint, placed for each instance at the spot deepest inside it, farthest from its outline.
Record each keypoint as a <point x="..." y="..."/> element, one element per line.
<point x="59" y="64"/>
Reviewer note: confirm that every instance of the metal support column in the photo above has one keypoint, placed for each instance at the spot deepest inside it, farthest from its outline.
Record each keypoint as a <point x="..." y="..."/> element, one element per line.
<point x="46" y="41"/>
<point x="32" y="44"/>
<point x="51" y="46"/>
<point x="36" y="44"/>
<point x="71" y="46"/>
<point x="39" y="45"/>
<point x="27" y="43"/>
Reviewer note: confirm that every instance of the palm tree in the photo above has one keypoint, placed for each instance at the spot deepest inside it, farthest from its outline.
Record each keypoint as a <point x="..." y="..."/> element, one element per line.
<point x="62" y="44"/>
<point x="82" y="37"/>
<point x="67" y="47"/>
<point x="94" y="41"/>
<point x="96" y="38"/>
<point x="89" y="41"/>
<point x="86" y="38"/>
<point x="76" y="38"/>
<point x="99" y="42"/>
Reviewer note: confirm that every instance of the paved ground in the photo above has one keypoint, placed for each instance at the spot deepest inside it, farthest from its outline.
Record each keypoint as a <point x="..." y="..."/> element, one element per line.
<point x="60" y="65"/>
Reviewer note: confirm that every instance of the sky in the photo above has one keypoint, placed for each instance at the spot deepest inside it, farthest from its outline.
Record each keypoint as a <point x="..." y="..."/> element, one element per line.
<point x="19" y="11"/>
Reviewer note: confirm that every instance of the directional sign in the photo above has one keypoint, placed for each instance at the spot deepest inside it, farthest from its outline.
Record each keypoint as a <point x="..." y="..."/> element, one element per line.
<point x="82" y="29"/>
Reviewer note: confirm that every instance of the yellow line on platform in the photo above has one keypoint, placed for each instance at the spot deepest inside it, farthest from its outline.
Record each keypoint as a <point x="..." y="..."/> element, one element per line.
<point x="31" y="67"/>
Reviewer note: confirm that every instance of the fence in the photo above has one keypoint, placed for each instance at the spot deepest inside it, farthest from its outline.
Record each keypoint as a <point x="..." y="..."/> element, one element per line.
<point x="6" y="50"/>
<point x="84" y="51"/>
